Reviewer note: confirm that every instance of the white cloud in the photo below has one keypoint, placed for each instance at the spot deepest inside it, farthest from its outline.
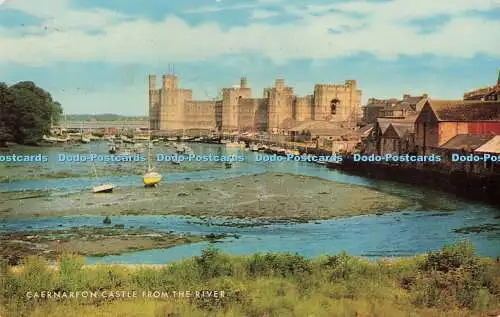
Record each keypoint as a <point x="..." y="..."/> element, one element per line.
<point x="262" y="14"/>
<point x="220" y="6"/>
<point x="382" y="32"/>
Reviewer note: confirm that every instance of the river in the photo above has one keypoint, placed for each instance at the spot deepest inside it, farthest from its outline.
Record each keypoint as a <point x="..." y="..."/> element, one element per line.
<point x="401" y="233"/>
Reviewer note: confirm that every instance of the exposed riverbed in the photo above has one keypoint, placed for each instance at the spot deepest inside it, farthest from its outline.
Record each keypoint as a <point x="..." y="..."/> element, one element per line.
<point x="268" y="198"/>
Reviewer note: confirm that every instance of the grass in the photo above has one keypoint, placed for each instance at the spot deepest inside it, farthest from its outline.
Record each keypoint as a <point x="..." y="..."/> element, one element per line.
<point x="451" y="282"/>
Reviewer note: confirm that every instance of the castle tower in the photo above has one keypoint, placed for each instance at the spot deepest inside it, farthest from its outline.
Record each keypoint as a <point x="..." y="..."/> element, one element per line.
<point x="230" y="98"/>
<point x="338" y="103"/>
<point x="280" y="105"/>
<point x="154" y="103"/>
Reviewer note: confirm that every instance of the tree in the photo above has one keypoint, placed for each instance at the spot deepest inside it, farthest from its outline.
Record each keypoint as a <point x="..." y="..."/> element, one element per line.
<point x="26" y="112"/>
<point x="6" y="114"/>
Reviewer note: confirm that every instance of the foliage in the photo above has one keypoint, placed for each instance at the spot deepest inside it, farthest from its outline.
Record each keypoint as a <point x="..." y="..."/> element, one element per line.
<point x="451" y="282"/>
<point x="454" y="276"/>
<point x="26" y="112"/>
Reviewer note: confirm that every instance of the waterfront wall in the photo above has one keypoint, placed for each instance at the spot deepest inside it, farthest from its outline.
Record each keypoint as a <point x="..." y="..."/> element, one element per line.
<point x="482" y="188"/>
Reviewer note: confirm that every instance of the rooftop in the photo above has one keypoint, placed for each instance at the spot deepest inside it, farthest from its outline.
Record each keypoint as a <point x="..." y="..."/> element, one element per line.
<point x="492" y="146"/>
<point x="466" y="141"/>
<point x="465" y="110"/>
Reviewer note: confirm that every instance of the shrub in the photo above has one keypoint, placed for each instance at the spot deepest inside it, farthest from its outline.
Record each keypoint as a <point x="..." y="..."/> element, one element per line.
<point x="212" y="264"/>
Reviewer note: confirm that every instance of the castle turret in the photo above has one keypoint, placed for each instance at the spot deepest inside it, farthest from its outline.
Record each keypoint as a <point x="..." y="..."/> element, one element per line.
<point x="152" y="82"/>
<point x="169" y="82"/>
<point x="243" y="82"/>
<point x="280" y="84"/>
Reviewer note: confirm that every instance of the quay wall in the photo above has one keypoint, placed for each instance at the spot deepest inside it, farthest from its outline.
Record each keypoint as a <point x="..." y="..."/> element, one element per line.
<point x="481" y="188"/>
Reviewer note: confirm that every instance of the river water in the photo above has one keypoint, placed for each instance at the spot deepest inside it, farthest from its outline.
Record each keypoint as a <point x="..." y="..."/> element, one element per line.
<point x="397" y="234"/>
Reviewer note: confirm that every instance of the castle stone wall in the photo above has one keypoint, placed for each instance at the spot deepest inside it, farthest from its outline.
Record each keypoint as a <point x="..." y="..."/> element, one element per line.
<point x="172" y="108"/>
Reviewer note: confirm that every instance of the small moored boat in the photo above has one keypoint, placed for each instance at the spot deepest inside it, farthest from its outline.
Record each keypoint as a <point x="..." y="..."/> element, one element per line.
<point x="104" y="188"/>
<point x="151" y="178"/>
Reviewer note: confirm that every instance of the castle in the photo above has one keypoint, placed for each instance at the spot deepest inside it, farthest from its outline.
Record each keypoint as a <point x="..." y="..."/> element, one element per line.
<point x="172" y="109"/>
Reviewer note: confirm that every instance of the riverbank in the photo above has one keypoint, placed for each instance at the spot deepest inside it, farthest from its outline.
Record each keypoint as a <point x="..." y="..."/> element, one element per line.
<point x="482" y="188"/>
<point x="269" y="196"/>
<point x="89" y="241"/>
<point x="452" y="282"/>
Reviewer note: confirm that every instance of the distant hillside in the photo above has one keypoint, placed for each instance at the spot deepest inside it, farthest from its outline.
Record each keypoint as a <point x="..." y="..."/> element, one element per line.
<point x="102" y="117"/>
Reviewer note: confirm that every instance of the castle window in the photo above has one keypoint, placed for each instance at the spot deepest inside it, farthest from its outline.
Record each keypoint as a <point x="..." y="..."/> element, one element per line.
<point x="333" y="105"/>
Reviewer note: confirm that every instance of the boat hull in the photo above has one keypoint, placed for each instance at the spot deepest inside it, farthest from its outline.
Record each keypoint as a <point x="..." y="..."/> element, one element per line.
<point x="105" y="188"/>
<point x="151" y="178"/>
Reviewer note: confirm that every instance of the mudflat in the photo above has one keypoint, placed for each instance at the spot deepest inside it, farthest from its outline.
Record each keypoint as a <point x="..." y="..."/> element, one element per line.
<point x="89" y="241"/>
<point x="271" y="196"/>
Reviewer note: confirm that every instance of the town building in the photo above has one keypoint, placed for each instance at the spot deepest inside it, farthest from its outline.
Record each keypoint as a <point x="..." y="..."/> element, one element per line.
<point x="391" y="135"/>
<point x="439" y="121"/>
<point x="392" y="108"/>
<point x="172" y="109"/>
<point x="491" y="93"/>
<point x="398" y="138"/>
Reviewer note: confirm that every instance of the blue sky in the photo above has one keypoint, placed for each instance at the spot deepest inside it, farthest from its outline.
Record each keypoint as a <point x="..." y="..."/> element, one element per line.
<point x="94" y="55"/>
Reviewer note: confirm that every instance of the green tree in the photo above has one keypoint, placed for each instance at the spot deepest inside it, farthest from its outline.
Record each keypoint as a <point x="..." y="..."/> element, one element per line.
<point x="26" y="112"/>
<point x="6" y="114"/>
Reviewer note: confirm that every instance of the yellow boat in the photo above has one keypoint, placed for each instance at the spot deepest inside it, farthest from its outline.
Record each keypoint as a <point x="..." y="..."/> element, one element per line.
<point x="151" y="178"/>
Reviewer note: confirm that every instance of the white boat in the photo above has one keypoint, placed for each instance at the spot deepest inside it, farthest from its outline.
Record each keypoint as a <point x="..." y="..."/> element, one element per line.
<point x="51" y="139"/>
<point x="104" y="188"/>
<point x="292" y="152"/>
<point x="125" y="139"/>
<point x="172" y="139"/>
<point x="233" y="144"/>
<point x="85" y="140"/>
<point x="139" y="148"/>
<point x="254" y="148"/>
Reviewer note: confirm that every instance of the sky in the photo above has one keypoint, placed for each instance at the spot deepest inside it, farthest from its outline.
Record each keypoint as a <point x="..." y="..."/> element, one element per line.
<point x="94" y="56"/>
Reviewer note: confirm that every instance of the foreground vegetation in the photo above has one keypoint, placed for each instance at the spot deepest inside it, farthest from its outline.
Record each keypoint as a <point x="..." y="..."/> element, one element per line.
<point x="451" y="282"/>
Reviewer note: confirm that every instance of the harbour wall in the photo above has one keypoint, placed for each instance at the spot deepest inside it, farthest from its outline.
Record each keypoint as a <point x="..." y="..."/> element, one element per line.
<point x="481" y="188"/>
